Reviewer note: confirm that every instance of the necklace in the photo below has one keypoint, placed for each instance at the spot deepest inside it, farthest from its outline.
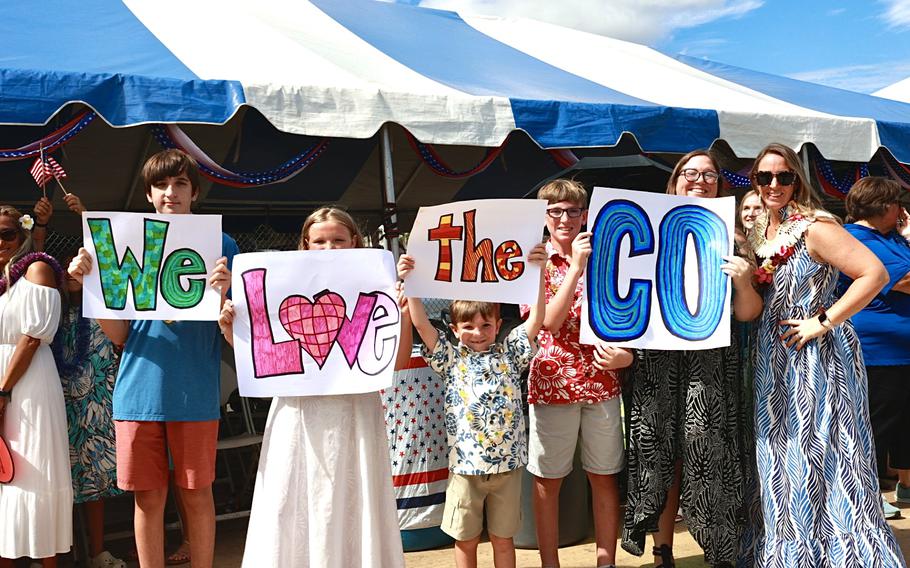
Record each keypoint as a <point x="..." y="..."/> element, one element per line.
<point x="20" y="266"/>
<point x="778" y="250"/>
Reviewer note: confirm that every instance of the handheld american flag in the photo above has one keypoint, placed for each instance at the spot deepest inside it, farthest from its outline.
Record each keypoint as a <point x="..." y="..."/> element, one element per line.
<point x="46" y="168"/>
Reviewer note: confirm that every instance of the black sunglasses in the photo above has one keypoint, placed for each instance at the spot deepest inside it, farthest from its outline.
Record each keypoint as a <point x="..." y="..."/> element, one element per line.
<point x="783" y="178"/>
<point x="9" y="235"/>
<point x="572" y="212"/>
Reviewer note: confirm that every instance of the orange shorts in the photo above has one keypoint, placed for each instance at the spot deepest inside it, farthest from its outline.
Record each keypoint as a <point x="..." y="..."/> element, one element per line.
<point x="142" y="454"/>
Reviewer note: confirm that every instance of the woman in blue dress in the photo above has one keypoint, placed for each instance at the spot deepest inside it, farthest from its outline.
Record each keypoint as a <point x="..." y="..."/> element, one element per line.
<point x="815" y="455"/>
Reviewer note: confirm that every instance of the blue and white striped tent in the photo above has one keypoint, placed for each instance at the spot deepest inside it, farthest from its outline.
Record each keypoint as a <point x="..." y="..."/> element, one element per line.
<point x="899" y="91"/>
<point x="341" y="69"/>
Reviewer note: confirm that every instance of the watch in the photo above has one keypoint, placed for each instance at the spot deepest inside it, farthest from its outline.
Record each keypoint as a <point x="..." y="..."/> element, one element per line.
<point x="823" y="319"/>
<point x="6" y="394"/>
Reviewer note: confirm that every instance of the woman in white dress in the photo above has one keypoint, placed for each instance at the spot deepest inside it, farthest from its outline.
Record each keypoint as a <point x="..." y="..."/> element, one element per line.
<point x="323" y="495"/>
<point x="37" y="505"/>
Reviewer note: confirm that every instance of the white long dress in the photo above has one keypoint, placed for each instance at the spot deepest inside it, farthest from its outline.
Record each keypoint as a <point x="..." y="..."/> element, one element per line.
<point x="36" y="508"/>
<point x="323" y="493"/>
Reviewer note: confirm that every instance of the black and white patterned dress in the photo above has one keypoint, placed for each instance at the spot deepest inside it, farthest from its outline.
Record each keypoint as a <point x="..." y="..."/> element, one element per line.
<point x="693" y="407"/>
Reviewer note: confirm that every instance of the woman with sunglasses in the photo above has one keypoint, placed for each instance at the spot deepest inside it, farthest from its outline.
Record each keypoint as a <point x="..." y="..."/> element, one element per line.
<point x="37" y="505"/>
<point x="815" y="454"/>
<point x="690" y="430"/>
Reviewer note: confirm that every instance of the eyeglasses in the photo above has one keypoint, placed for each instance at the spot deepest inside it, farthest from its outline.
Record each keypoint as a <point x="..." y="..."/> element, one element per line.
<point x="9" y="235"/>
<point x="572" y="212"/>
<point x="783" y="178"/>
<point x="691" y="174"/>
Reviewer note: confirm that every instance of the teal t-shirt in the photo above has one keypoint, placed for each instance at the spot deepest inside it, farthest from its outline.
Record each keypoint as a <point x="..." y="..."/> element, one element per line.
<point x="171" y="372"/>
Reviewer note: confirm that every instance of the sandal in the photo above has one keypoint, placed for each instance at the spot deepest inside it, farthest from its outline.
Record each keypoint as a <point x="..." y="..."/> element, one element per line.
<point x="666" y="556"/>
<point x="179" y="556"/>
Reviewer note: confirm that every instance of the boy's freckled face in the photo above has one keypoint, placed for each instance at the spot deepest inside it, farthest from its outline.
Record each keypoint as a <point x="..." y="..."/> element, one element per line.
<point x="173" y="194"/>
<point x="478" y="333"/>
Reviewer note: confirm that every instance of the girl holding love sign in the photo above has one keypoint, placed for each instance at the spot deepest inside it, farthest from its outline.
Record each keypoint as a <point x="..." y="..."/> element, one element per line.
<point x="323" y="494"/>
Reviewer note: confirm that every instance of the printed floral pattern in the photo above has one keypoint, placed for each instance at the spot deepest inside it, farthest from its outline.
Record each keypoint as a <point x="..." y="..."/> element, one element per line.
<point x="563" y="370"/>
<point x="88" y="362"/>
<point x="485" y="425"/>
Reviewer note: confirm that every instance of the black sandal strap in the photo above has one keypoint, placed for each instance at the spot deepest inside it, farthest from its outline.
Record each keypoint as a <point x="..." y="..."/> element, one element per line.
<point x="666" y="556"/>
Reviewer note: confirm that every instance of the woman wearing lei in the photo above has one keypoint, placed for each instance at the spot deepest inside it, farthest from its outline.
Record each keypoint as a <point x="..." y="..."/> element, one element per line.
<point x="37" y="505"/>
<point x="815" y="456"/>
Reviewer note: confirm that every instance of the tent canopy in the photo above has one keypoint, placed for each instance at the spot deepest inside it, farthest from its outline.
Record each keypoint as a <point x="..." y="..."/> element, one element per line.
<point x="899" y="91"/>
<point x="343" y="68"/>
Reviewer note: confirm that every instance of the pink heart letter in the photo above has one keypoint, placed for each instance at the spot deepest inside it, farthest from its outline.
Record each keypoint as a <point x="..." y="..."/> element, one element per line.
<point x="314" y="324"/>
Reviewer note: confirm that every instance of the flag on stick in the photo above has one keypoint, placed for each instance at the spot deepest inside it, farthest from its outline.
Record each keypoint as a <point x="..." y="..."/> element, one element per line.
<point x="46" y="168"/>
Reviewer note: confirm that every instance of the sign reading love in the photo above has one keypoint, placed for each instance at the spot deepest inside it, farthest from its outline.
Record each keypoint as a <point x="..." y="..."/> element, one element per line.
<point x="334" y="330"/>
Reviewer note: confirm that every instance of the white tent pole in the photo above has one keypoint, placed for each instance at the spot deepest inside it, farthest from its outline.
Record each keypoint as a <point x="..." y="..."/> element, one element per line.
<point x="388" y="186"/>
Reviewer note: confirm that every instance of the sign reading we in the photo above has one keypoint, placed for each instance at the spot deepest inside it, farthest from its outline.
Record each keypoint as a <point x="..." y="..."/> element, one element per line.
<point x="653" y="280"/>
<point x="306" y="323"/>
<point x="151" y="266"/>
<point x="477" y="250"/>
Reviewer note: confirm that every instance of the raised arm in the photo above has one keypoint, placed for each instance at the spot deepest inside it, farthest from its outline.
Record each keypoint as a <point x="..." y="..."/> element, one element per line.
<point x="44" y="210"/>
<point x="428" y="334"/>
<point x="538" y="257"/>
<point x="558" y="307"/>
<point x="747" y="303"/>
<point x="406" y="339"/>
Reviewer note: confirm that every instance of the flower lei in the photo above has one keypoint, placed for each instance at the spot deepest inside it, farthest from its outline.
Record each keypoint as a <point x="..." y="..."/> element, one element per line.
<point x="20" y="266"/>
<point x="778" y="250"/>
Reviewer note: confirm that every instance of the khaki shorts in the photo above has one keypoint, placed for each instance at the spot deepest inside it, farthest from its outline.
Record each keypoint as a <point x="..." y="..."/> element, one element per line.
<point x="555" y="429"/>
<point x="462" y="518"/>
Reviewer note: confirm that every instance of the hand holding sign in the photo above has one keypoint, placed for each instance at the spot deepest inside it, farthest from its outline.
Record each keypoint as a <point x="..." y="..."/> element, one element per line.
<point x="475" y="250"/>
<point x="171" y="280"/>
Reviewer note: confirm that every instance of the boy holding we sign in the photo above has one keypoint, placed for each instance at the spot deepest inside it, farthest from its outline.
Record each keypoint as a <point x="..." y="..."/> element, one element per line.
<point x="484" y="419"/>
<point x="166" y="397"/>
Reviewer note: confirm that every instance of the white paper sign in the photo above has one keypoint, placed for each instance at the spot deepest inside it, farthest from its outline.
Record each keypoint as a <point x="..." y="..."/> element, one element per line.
<point x="315" y="322"/>
<point x="151" y="267"/>
<point x="653" y="280"/>
<point x="477" y="250"/>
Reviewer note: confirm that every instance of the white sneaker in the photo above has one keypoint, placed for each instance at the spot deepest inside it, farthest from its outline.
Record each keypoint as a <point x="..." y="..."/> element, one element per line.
<point x="106" y="560"/>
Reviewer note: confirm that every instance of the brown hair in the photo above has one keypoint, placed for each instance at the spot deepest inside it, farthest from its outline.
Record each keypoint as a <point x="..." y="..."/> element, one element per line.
<point x="27" y="245"/>
<point x="335" y="215"/>
<point x="170" y="163"/>
<point x="465" y="310"/>
<point x="564" y="190"/>
<point x="804" y="195"/>
<point x="871" y="197"/>
<point x="671" y="183"/>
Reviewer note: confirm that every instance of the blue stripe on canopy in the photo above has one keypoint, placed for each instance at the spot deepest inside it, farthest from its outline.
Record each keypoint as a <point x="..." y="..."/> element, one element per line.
<point x="123" y="71"/>
<point x="891" y="116"/>
<point x="440" y="45"/>
<point x="657" y="129"/>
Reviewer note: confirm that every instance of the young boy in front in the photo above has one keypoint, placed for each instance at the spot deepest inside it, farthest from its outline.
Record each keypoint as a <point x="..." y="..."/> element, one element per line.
<point x="484" y="420"/>
<point x="166" y="397"/>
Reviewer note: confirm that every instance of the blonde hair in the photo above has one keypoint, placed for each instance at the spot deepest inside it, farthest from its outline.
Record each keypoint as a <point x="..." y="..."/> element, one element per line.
<point x="564" y="190"/>
<point x="465" y="310"/>
<point x="742" y="205"/>
<point x="27" y="245"/>
<point x="334" y="215"/>
<point x="804" y="196"/>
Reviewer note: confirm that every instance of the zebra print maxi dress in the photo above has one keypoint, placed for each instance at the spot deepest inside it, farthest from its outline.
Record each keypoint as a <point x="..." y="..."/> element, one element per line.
<point x="815" y="455"/>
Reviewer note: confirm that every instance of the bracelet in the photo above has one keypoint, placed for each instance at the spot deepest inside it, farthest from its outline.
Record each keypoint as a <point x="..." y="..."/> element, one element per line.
<point x="40" y="225"/>
<point x="6" y="394"/>
<point x="826" y="323"/>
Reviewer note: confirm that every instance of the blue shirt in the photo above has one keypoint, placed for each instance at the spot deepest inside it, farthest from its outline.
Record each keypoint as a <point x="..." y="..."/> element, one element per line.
<point x="171" y="372"/>
<point x="485" y="425"/>
<point x="884" y="325"/>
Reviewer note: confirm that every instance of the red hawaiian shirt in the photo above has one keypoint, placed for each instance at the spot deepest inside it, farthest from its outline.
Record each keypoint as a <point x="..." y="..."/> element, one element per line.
<point x="562" y="372"/>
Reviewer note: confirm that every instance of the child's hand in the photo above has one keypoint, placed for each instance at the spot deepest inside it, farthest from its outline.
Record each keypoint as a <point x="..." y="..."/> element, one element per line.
<point x="43" y="211"/>
<point x="538" y="255"/>
<point x="402" y="299"/>
<point x="607" y="357"/>
<point x="221" y="276"/>
<point x="405" y="266"/>
<point x="74" y="203"/>
<point x="226" y="318"/>
<point x="581" y="250"/>
<point x="80" y="265"/>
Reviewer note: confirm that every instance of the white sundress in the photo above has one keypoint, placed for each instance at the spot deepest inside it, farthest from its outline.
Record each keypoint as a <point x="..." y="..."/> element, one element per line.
<point x="36" y="508"/>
